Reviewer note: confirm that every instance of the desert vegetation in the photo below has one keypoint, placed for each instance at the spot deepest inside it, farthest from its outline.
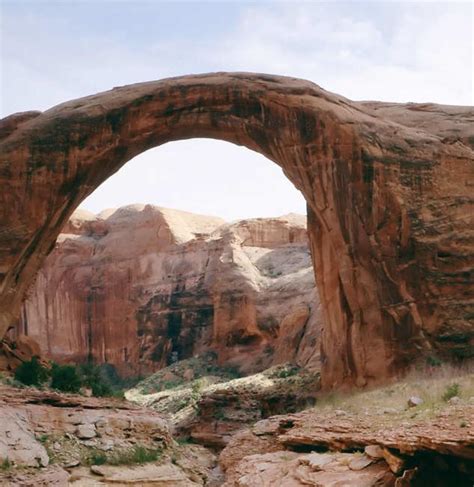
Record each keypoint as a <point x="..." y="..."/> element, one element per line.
<point x="86" y="378"/>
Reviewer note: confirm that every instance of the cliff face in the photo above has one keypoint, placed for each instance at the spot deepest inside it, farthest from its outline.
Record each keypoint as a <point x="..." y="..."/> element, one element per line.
<point x="140" y="286"/>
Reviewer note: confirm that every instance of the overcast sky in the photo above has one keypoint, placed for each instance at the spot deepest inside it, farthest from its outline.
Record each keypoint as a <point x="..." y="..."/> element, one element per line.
<point x="395" y="51"/>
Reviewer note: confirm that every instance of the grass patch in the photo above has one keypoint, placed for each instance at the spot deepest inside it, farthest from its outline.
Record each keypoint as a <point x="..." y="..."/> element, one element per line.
<point x="136" y="455"/>
<point x="434" y="385"/>
<point x="5" y="465"/>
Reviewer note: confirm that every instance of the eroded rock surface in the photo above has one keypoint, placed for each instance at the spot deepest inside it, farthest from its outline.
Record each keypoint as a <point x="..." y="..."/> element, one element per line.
<point x="213" y="406"/>
<point x="388" y="187"/>
<point x="139" y="286"/>
<point x="59" y="439"/>
<point x="307" y="449"/>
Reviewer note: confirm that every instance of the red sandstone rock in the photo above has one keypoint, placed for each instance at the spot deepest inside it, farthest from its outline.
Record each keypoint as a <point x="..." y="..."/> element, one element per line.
<point x="135" y="286"/>
<point x="17" y="350"/>
<point x="435" y="450"/>
<point x="388" y="187"/>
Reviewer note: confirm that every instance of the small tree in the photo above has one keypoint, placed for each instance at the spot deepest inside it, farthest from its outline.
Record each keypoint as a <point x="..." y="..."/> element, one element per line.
<point x="93" y="378"/>
<point x="32" y="373"/>
<point x="65" y="378"/>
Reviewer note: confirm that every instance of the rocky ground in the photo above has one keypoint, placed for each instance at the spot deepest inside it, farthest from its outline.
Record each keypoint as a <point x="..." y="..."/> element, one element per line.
<point x="416" y="432"/>
<point x="206" y="404"/>
<point x="48" y="438"/>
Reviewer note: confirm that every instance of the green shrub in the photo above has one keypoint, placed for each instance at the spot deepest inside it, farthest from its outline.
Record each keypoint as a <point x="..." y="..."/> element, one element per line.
<point x="219" y="414"/>
<point x="183" y="403"/>
<point x="92" y="377"/>
<point x="171" y="384"/>
<point x="5" y="465"/>
<point x="285" y="372"/>
<point x="32" y="373"/>
<point x="184" y="441"/>
<point x="433" y="361"/>
<point x="196" y="390"/>
<point x="65" y="378"/>
<point x="97" y="458"/>
<point x="451" y="391"/>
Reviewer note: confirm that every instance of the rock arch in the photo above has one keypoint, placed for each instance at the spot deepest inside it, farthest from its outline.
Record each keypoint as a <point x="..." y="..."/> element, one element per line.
<point x="385" y="198"/>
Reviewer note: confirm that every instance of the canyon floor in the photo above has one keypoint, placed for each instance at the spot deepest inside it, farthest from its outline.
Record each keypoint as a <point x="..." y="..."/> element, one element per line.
<point x="210" y="428"/>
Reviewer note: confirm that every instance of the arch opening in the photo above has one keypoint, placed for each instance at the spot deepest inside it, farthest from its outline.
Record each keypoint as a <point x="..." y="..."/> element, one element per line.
<point x="204" y="176"/>
<point x="149" y="280"/>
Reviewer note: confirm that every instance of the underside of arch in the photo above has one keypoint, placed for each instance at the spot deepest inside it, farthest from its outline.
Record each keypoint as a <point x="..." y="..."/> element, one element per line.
<point x="387" y="189"/>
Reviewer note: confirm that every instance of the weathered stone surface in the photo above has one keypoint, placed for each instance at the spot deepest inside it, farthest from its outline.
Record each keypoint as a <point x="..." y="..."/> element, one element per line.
<point x="167" y="475"/>
<point x="373" y="451"/>
<point x="414" y="401"/>
<point x="52" y="476"/>
<point x="15" y="351"/>
<point x="40" y="426"/>
<point x="17" y="440"/>
<point x="433" y="451"/>
<point x="138" y="286"/>
<point x="395" y="462"/>
<point x="360" y="462"/>
<point x="291" y="469"/>
<point x="28" y="414"/>
<point x="388" y="187"/>
<point x="86" y="431"/>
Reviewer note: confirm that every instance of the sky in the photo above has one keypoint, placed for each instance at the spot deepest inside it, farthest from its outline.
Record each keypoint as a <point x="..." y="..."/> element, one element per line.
<point x="54" y="51"/>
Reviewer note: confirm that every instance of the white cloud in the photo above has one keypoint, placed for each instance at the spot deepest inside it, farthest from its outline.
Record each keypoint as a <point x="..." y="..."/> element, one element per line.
<point x="422" y="53"/>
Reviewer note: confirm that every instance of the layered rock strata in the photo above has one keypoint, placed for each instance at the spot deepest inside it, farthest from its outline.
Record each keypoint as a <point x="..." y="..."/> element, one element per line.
<point x="140" y="286"/>
<point x="311" y="448"/>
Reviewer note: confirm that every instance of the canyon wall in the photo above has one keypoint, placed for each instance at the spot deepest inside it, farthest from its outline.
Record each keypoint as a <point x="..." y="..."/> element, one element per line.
<point x="140" y="286"/>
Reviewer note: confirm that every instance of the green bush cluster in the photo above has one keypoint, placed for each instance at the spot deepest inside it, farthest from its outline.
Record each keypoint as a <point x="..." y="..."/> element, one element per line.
<point x="68" y="378"/>
<point x="285" y="372"/>
<point x="65" y="378"/>
<point x="32" y="373"/>
<point x="92" y="378"/>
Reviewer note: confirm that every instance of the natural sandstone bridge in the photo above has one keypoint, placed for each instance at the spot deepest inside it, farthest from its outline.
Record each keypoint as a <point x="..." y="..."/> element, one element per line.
<point x="388" y="188"/>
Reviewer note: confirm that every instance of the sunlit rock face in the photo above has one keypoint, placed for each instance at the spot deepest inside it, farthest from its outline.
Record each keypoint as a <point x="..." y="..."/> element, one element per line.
<point x="388" y="189"/>
<point x="140" y="286"/>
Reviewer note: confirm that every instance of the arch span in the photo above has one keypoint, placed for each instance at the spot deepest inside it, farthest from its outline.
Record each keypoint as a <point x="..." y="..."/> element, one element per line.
<point x="375" y="190"/>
